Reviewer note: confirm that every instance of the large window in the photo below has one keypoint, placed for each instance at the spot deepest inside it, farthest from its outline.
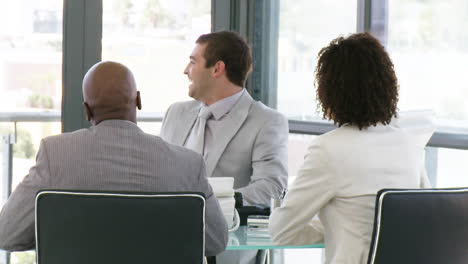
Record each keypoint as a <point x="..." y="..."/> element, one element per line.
<point x="428" y="42"/>
<point x="154" y="38"/>
<point x="30" y="82"/>
<point x="30" y="74"/>
<point x="305" y="27"/>
<point x="30" y="55"/>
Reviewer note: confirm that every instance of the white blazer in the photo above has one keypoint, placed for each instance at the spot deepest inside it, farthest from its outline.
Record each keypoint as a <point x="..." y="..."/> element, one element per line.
<point x="341" y="174"/>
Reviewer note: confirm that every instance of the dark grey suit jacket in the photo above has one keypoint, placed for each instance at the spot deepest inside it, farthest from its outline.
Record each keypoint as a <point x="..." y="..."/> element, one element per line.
<point x="114" y="155"/>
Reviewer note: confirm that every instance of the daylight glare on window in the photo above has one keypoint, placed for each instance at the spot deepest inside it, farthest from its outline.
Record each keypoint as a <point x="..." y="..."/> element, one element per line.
<point x="428" y="41"/>
<point x="154" y="38"/>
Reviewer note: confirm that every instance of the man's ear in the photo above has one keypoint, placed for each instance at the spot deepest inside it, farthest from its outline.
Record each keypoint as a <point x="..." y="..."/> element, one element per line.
<point x="138" y="100"/>
<point x="219" y="68"/>
<point x="89" y="113"/>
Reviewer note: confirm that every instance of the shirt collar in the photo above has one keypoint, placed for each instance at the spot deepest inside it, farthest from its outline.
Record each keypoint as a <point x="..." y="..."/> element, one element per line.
<point x="225" y="105"/>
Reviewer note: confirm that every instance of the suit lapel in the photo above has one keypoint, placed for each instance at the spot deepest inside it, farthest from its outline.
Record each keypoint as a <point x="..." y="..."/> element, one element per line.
<point x="234" y="120"/>
<point x="186" y="123"/>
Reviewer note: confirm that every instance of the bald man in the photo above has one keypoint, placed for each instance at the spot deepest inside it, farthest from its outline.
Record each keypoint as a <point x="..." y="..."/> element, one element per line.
<point x="113" y="154"/>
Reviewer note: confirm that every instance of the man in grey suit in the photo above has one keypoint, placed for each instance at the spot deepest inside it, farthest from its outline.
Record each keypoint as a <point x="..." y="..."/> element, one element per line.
<point x="113" y="154"/>
<point x="239" y="137"/>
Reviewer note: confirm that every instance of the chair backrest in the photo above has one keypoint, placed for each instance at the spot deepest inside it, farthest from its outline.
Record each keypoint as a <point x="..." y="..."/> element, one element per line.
<point x="426" y="226"/>
<point x="77" y="227"/>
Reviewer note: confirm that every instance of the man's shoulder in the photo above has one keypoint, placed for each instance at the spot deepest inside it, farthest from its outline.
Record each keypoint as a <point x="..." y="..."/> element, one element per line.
<point x="87" y="135"/>
<point x="68" y="136"/>
<point x="261" y="111"/>
<point x="147" y="141"/>
<point x="178" y="151"/>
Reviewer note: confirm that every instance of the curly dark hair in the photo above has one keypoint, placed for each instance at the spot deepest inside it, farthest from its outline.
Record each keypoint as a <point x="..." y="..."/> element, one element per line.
<point x="232" y="49"/>
<point x="356" y="82"/>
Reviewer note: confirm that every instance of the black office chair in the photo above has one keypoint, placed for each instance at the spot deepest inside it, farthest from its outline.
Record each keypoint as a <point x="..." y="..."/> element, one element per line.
<point x="423" y="226"/>
<point x="77" y="227"/>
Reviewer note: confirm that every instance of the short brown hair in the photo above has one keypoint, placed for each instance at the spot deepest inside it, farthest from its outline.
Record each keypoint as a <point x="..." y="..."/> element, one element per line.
<point x="232" y="49"/>
<point x="356" y="82"/>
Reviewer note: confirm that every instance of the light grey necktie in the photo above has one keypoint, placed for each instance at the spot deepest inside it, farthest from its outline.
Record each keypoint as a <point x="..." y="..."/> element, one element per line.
<point x="199" y="129"/>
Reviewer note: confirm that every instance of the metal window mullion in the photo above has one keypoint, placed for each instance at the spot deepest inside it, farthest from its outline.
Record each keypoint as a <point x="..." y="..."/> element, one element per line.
<point x="221" y="15"/>
<point x="372" y="16"/>
<point x="442" y="138"/>
<point x="379" y="20"/>
<point x="264" y="34"/>
<point x="6" y="180"/>
<point x="7" y="175"/>
<point x="363" y="21"/>
<point x="258" y="22"/>
<point x="82" y="34"/>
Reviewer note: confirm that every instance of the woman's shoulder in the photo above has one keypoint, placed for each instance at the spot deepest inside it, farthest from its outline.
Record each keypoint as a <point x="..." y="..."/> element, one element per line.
<point x="337" y="134"/>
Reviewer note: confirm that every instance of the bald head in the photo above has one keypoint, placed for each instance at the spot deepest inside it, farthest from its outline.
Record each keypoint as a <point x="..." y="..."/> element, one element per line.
<point x="109" y="92"/>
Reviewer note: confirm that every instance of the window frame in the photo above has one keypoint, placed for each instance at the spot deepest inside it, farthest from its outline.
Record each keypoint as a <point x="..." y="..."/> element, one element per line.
<point x="257" y="21"/>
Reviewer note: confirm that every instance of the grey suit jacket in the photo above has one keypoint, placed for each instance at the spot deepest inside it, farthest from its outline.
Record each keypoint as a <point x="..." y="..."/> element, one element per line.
<point x="114" y="155"/>
<point x="252" y="148"/>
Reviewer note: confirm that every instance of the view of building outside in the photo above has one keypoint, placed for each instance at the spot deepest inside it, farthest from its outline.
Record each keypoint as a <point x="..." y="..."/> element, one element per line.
<point x="305" y="28"/>
<point x="30" y="55"/>
<point x="155" y="38"/>
<point x="428" y="43"/>
<point x="30" y="79"/>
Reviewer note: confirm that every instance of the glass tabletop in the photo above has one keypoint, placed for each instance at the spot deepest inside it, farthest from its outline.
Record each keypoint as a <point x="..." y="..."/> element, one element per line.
<point x="243" y="239"/>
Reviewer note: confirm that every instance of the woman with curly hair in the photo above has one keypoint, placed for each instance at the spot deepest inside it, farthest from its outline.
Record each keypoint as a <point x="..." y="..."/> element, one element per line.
<point x="370" y="150"/>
